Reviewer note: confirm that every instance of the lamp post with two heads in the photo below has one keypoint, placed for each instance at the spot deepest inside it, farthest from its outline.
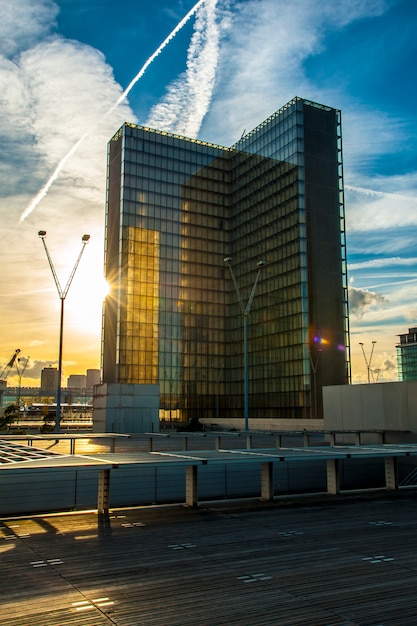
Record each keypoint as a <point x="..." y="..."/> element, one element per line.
<point x="368" y="361"/>
<point x="62" y="295"/>
<point x="245" y="314"/>
<point x="21" y="364"/>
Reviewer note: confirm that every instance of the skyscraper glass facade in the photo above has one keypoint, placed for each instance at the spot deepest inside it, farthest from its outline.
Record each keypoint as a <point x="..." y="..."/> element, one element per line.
<point x="407" y="355"/>
<point x="176" y="207"/>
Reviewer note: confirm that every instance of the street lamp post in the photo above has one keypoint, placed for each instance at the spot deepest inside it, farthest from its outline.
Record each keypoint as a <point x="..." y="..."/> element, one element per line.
<point x="368" y="363"/>
<point x="314" y="366"/>
<point x="245" y="313"/>
<point x="62" y="295"/>
<point x="21" y="365"/>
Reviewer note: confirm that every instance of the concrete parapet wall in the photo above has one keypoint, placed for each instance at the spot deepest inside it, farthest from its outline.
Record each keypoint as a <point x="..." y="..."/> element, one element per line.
<point x="265" y="424"/>
<point x="380" y="406"/>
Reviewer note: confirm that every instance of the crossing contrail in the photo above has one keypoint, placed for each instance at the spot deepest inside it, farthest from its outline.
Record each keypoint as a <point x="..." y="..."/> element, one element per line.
<point x="44" y="190"/>
<point x="188" y="98"/>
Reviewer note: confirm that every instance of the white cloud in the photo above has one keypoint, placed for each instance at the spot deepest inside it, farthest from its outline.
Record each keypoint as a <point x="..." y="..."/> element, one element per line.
<point x="23" y="22"/>
<point x="361" y="301"/>
<point x="368" y="133"/>
<point x="68" y="103"/>
<point x="383" y="213"/>
<point x="53" y="90"/>
<point x="262" y="60"/>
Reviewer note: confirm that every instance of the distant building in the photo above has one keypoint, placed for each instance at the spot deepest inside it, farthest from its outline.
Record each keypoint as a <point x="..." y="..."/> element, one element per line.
<point x="93" y="378"/>
<point x="407" y="355"/>
<point x="49" y="379"/>
<point x="77" y="381"/>
<point x="177" y="208"/>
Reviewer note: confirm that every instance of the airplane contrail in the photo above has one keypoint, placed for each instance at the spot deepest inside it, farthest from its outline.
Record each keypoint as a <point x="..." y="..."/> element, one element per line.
<point x="45" y="188"/>
<point x="380" y="194"/>
<point x="188" y="98"/>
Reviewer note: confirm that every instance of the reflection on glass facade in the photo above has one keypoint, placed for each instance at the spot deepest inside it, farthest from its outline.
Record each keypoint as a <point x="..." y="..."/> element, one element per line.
<point x="176" y="207"/>
<point x="407" y="356"/>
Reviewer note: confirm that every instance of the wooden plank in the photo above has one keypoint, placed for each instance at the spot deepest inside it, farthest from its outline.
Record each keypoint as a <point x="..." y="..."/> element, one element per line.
<point x="315" y="565"/>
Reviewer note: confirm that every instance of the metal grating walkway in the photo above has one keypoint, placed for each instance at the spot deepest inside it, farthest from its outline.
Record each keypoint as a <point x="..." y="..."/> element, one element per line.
<point x="15" y="453"/>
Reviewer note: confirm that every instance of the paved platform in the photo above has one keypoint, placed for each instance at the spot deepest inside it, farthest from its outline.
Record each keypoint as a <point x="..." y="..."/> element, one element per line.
<point x="321" y="562"/>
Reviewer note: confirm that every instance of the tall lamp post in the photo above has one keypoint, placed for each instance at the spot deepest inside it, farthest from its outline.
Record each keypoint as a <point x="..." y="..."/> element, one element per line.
<point x="245" y="313"/>
<point x="314" y="365"/>
<point x="21" y="365"/>
<point x="62" y="295"/>
<point x="368" y="363"/>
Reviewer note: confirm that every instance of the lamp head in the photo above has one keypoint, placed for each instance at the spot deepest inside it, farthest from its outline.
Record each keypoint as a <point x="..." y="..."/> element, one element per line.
<point x="42" y="233"/>
<point x="227" y="260"/>
<point x="261" y="264"/>
<point x="85" y="238"/>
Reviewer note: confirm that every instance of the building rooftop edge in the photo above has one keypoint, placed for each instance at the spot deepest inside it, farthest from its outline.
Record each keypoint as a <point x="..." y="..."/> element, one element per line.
<point x="167" y="134"/>
<point x="214" y="145"/>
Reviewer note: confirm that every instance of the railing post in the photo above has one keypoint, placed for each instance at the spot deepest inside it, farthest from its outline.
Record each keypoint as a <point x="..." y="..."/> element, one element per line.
<point x="391" y="473"/>
<point x="333" y="476"/>
<point x="191" y="485"/>
<point x="267" y="481"/>
<point x="103" y="491"/>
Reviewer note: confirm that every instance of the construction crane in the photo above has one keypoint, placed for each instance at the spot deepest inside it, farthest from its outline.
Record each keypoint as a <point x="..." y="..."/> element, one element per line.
<point x="8" y="367"/>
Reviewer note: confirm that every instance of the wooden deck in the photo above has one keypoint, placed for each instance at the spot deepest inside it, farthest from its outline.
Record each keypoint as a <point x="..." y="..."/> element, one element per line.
<point x="324" y="562"/>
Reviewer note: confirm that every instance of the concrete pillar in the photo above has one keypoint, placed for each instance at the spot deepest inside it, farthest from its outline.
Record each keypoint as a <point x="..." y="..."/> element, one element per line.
<point x="332" y="439"/>
<point x="278" y="441"/>
<point x="357" y="439"/>
<point x="267" y="481"/>
<point x="306" y="439"/>
<point x="248" y="442"/>
<point x="333" y="476"/>
<point x="191" y="485"/>
<point x="218" y="442"/>
<point x="103" y="491"/>
<point x="391" y="473"/>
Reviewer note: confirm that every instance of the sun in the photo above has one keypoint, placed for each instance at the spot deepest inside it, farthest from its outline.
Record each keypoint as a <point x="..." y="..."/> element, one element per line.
<point x="84" y="308"/>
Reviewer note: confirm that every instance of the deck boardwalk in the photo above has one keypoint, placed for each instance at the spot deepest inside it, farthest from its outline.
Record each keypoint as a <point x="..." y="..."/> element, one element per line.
<point x="324" y="562"/>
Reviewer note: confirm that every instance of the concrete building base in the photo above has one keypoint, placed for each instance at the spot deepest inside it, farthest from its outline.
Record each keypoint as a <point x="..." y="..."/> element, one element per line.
<point x="126" y="408"/>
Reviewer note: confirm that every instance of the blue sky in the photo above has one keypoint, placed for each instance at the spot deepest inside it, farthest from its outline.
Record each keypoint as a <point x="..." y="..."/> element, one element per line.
<point x="64" y="66"/>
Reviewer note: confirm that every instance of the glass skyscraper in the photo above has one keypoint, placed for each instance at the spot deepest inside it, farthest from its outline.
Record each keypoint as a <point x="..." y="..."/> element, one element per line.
<point x="176" y="208"/>
<point x="407" y="355"/>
